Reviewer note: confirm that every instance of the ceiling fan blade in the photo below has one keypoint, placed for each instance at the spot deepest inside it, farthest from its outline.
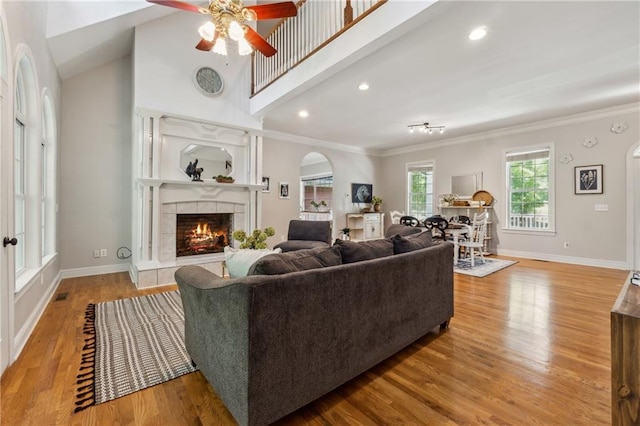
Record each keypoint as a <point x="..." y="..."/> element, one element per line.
<point x="258" y="42"/>
<point x="180" y="5"/>
<point x="206" y="45"/>
<point x="274" y="10"/>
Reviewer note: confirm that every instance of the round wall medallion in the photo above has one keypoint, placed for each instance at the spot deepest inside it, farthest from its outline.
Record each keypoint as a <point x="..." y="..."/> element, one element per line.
<point x="208" y="81"/>
<point x="565" y="159"/>
<point x="619" y="127"/>
<point x="589" y="142"/>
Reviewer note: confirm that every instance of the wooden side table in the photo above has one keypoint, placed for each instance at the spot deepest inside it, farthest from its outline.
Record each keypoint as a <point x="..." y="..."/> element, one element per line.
<point x="625" y="356"/>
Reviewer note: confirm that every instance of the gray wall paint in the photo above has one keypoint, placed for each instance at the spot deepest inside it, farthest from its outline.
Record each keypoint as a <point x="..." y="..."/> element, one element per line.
<point x="281" y="162"/>
<point x="95" y="165"/>
<point x="592" y="235"/>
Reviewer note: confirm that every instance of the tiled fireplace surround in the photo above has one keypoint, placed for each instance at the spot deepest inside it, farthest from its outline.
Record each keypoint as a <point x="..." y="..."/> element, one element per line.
<point x="163" y="190"/>
<point x="170" y="263"/>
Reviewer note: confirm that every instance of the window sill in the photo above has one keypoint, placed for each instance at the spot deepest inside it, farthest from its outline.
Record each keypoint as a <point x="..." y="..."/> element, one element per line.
<point x="545" y="233"/>
<point x="25" y="280"/>
<point x="30" y="275"/>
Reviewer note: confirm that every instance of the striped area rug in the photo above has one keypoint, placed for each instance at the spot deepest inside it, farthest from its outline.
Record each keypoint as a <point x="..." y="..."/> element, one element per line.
<point x="135" y="343"/>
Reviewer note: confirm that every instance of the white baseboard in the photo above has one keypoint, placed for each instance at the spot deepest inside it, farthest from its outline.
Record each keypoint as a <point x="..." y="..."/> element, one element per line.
<point x="611" y="264"/>
<point x="25" y="332"/>
<point x="94" y="270"/>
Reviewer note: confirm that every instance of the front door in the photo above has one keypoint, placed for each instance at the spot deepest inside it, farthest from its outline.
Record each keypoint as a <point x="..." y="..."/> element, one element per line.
<point x="6" y="272"/>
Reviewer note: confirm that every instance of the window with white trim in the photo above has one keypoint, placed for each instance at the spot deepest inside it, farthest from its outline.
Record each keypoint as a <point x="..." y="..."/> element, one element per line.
<point x="420" y="190"/>
<point x="47" y="180"/>
<point x="530" y="189"/>
<point x="19" y="202"/>
<point x="316" y="189"/>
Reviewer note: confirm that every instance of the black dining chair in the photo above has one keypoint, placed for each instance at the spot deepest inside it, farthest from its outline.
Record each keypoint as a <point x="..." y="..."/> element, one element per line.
<point x="439" y="223"/>
<point x="409" y="221"/>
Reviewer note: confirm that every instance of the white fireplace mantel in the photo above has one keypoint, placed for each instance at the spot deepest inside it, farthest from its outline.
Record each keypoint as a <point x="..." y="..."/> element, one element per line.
<point x="161" y="189"/>
<point x="205" y="182"/>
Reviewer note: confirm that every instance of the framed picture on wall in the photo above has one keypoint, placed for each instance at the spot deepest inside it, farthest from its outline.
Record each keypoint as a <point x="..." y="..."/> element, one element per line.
<point x="588" y="179"/>
<point x="266" y="183"/>
<point x="284" y="190"/>
<point x="361" y="192"/>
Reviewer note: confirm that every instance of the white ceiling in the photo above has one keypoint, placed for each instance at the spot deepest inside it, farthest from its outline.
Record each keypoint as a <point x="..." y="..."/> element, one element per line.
<point x="539" y="60"/>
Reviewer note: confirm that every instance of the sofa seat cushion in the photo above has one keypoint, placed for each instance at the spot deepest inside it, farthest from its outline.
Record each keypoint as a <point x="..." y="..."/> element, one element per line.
<point x="292" y="245"/>
<point x="412" y="242"/>
<point x="300" y="260"/>
<point x="352" y="251"/>
<point x="240" y="260"/>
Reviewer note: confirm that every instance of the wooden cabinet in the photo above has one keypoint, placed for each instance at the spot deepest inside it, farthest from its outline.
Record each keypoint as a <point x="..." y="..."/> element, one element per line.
<point x="450" y="211"/>
<point x="625" y="356"/>
<point x="365" y="226"/>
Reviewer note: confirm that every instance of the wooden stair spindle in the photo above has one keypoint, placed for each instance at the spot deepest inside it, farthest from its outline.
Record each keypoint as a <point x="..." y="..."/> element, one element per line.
<point x="348" y="13"/>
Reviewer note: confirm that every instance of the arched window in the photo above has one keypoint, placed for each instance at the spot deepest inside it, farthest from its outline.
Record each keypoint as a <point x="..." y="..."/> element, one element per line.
<point x="19" y="187"/>
<point x="4" y="73"/>
<point x="48" y="174"/>
<point x="26" y="170"/>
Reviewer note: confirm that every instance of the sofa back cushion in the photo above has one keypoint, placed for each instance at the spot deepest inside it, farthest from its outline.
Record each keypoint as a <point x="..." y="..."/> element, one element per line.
<point x="402" y="230"/>
<point x="352" y="251"/>
<point x="412" y="242"/>
<point x="294" y="261"/>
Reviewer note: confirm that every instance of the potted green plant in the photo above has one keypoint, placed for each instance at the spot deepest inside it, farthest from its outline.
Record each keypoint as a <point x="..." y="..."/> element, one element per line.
<point x="345" y="233"/>
<point x="376" y="202"/>
<point x="255" y="240"/>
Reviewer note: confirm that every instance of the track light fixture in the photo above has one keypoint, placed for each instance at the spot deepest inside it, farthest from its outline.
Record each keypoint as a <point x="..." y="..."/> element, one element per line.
<point x="425" y="128"/>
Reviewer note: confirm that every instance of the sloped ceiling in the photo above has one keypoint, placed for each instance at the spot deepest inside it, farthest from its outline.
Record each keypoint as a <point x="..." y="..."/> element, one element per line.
<point x="539" y="60"/>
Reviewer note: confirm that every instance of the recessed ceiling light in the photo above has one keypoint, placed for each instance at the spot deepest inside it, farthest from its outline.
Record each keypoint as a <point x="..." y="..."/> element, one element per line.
<point x="363" y="86"/>
<point x="478" y="33"/>
<point x="303" y="113"/>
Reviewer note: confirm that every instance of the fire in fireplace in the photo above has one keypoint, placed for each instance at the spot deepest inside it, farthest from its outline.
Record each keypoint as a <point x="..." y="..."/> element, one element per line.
<point x="202" y="233"/>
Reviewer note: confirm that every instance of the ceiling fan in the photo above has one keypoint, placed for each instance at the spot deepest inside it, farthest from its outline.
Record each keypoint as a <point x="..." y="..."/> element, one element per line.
<point x="228" y="18"/>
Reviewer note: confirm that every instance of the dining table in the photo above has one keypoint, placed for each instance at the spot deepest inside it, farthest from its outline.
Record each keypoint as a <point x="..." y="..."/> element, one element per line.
<point x="456" y="230"/>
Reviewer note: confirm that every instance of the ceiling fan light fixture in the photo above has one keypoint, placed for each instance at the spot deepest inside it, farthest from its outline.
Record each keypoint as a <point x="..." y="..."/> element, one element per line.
<point x="236" y="32"/>
<point x="207" y="31"/>
<point x="220" y="47"/>
<point x="244" y="48"/>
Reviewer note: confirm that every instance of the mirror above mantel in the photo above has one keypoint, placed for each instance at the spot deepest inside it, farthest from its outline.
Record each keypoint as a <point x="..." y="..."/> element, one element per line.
<point x="464" y="186"/>
<point x="214" y="160"/>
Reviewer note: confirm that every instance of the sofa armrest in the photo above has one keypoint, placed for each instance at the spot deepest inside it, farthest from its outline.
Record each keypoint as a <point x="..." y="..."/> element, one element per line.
<point x="216" y="315"/>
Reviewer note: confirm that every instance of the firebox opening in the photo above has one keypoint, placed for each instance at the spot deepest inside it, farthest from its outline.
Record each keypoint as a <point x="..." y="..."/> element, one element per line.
<point x="202" y="233"/>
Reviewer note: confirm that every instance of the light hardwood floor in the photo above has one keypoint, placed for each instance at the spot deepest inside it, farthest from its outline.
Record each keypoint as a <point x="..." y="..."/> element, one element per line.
<point x="528" y="345"/>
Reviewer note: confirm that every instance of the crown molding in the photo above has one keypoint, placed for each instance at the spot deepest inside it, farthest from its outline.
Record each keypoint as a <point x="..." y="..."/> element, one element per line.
<point x="522" y="128"/>
<point x="303" y="140"/>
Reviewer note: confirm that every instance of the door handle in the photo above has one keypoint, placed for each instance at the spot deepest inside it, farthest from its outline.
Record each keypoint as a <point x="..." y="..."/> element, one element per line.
<point x="7" y="241"/>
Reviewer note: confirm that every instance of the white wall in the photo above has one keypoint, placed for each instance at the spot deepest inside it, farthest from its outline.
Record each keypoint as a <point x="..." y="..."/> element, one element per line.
<point x="597" y="238"/>
<point x="95" y="167"/>
<point x="165" y="60"/>
<point x="281" y="162"/>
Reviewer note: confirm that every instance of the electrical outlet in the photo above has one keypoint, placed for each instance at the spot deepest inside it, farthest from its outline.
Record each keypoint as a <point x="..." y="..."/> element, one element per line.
<point x="103" y="253"/>
<point x="96" y="253"/>
<point x="566" y="244"/>
<point x="602" y="207"/>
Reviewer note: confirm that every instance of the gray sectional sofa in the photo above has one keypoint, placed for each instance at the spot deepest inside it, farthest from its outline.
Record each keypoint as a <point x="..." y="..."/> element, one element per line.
<point x="270" y="344"/>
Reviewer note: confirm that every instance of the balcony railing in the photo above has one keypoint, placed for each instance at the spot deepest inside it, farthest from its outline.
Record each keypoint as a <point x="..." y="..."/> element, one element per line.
<point x="318" y="22"/>
<point x="528" y="221"/>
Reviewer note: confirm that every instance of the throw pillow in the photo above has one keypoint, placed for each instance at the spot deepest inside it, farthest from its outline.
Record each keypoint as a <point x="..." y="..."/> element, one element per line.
<point x="352" y="251"/>
<point x="298" y="260"/>
<point x="412" y="242"/>
<point x="240" y="260"/>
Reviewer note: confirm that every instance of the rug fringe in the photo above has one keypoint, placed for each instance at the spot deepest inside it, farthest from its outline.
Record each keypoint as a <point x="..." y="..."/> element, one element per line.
<point x="86" y="393"/>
